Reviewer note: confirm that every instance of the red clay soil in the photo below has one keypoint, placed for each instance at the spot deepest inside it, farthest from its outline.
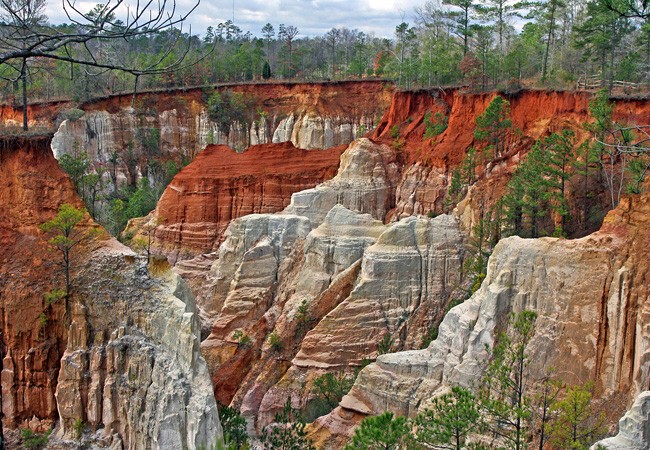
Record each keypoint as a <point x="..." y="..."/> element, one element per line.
<point x="345" y="98"/>
<point x="31" y="189"/>
<point x="534" y="113"/>
<point x="221" y="185"/>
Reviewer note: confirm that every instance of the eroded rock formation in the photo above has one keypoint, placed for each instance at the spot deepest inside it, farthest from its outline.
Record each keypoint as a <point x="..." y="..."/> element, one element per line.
<point x="176" y="125"/>
<point x="221" y="185"/>
<point x="359" y="279"/>
<point x="633" y="428"/>
<point x="591" y="295"/>
<point x="129" y="364"/>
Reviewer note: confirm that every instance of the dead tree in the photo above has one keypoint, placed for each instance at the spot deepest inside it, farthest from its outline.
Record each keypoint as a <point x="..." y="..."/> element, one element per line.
<point x="25" y="35"/>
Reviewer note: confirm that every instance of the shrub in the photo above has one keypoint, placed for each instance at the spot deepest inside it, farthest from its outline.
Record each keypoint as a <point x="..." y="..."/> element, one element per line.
<point x="34" y="441"/>
<point x="243" y="340"/>
<point x="303" y="317"/>
<point x="385" y="344"/>
<point x="54" y="296"/>
<point x="234" y="427"/>
<point x="435" y="127"/>
<point x="78" y="428"/>
<point x="275" y="342"/>
<point x="394" y="131"/>
<point x="72" y="114"/>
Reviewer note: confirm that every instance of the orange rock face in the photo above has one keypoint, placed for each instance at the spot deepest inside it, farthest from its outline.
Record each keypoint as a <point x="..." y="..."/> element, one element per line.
<point x="535" y="113"/>
<point x="221" y="185"/>
<point x="31" y="189"/>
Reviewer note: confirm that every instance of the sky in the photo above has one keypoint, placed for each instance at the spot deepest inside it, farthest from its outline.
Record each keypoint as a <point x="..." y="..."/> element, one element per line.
<point x="312" y="17"/>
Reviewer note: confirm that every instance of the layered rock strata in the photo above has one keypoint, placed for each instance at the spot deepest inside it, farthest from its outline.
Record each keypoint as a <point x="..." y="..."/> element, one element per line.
<point x="129" y="365"/>
<point x="31" y="188"/>
<point x="177" y="125"/>
<point x="132" y="366"/>
<point x="351" y="271"/>
<point x="591" y="298"/>
<point x="221" y="185"/>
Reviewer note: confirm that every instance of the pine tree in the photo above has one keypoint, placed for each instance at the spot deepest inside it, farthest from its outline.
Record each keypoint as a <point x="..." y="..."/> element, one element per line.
<point x="576" y="425"/>
<point x="461" y="20"/>
<point x="559" y="158"/>
<point x="451" y="417"/>
<point x="287" y="433"/>
<point x="505" y="393"/>
<point x="493" y="124"/>
<point x="384" y="431"/>
<point x="67" y="236"/>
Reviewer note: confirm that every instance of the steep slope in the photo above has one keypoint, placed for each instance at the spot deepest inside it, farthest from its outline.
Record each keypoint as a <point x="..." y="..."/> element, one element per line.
<point x="31" y="188"/>
<point x="591" y="295"/>
<point x="428" y="162"/>
<point x="176" y="125"/>
<point x="129" y="364"/>
<point x="221" y="185"/>
<point x="344" y="270"/>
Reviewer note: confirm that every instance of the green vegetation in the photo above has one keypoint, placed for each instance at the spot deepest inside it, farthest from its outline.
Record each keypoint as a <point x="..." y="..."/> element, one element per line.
<point x="234" y="428"/>
<point x="328" y="390"/>
<point x="243" y="340"/>
<point x="505" y="393"/>
<point x="435" y="127"/>
<point x="384" y="431"/>
<point x="275" y="342"/>
<point x="385" y="344"/>
<point x="449" y="420"/>
<point x="227" y="107"/>
<point x="78" y="428"/>
<point x="66" y="236"/>
<point x="506" y="405"/>
<point x="556" y="44"/>
<point x="492" y="127"/>
<point x="287" y="431"/>
<point x="575" y="424"/>
<point x="111" y="205"/>
<point x="34" y="441"/>
<point x="303" y="318"/>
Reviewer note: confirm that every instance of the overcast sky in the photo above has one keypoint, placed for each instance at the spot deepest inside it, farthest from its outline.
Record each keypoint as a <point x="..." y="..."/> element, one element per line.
<point x="312" y="17"/>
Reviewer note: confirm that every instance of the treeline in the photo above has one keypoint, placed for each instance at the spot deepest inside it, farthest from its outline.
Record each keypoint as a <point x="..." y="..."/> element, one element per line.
<point x="486" y="45"/>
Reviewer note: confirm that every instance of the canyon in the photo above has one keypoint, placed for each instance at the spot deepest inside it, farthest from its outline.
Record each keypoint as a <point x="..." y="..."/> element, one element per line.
<point x="326" y="250"/>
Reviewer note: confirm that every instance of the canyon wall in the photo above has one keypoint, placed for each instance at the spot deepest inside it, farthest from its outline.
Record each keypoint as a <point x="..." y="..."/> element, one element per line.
<point x="328" y="286"/>
<point x="221" y="185"/>
<point x="428" y="162"/>
<point x="129" y="363"/>
<point x="590" y="294"/>
<point x="176" y="125"/>
<point x="376" y="268"/>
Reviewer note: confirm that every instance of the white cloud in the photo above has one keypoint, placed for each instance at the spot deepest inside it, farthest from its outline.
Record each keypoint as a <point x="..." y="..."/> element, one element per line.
<point x="312" y="17"/>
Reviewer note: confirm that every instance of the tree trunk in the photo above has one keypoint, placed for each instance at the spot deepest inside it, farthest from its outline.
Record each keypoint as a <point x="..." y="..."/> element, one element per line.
<point x="23" y="80"/>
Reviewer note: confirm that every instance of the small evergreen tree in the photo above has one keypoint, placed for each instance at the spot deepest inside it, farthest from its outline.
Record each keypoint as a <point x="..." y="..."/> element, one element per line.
<point x="560" y="157"/>
<point x="468" y="167"/>
<point x="66" y="236"/>
<point x="449" y="420"/>
<point x="455" y="190"/>
<point x="331" y="387"/>
<point x="234" y="428"/>
<point x="266" y="70"/>
<point x="493" y="124"/>
<point x="380" y="432"/>
<point x="576" y="426"/>
<point x="505" y="393"/>
<point x="287" y="433"/>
